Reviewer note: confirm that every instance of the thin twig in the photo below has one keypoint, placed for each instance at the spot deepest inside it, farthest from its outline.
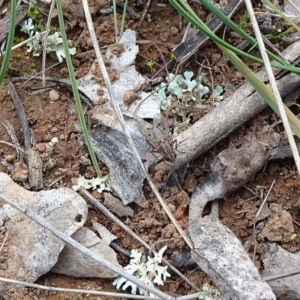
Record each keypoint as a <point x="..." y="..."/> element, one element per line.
<point x="144" y="12"/>
<point x="45" y="41"/>
<point x="77" y="291"/>
<point x="4" y="241"/>
<point x="256" y="216"/>
<point x="186" y="32"/>
<point x="21" y="114"/>
<point x="11" y="132"/>
<point x="273" y="84"/>
<point x="122" y="122"/>
<point x="33" y="158"/>
<point x="282" y="275"/>
<point x="11" y="145"/>
<point x="101" y="260"/>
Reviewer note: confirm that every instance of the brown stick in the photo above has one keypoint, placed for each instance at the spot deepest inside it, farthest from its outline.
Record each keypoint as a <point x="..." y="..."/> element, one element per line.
<point x="232" y="113"/>
<point x="33" y="158"/>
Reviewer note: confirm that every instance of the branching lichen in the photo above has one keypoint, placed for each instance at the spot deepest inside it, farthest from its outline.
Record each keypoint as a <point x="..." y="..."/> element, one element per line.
<point x="54" y="41"/>
<point x="150" y="271"/>
<point x="181" y="94"/>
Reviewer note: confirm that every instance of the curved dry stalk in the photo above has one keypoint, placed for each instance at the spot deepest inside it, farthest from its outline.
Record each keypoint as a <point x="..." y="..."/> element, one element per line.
<point x="273" y="83"/>
<point x="122" y="122"/>
<point x="67" y="239"/>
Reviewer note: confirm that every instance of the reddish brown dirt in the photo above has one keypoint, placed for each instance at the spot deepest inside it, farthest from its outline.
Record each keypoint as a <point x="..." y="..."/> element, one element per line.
<point x="157" y="36"/>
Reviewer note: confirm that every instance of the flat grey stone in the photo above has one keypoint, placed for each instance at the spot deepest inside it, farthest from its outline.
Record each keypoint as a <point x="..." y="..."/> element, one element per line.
<point x="31" y="250"/>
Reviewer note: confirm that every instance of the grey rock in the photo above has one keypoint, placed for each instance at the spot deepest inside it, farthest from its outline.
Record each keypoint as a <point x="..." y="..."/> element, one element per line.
<point x="276" y="261"/>
<point x="31" y="250"/>
<point x="73" y="263"/>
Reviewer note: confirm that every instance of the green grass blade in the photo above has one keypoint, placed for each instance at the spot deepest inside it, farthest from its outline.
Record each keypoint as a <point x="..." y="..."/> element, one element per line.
<point x="243" y="21"/>
<point x="185" y="10"/>
<point x="75" y="89"/>
<point x="10" y="39"/>
<point x="123" y="21"/>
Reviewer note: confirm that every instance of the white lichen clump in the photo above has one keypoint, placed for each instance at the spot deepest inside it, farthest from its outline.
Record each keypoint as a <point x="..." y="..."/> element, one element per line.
<point x="51" y="144"/>
<point x="150" y="271"/>
<point x="181" y="94"/>
<point x="98" y="183"/>
<point x="54" y="41"/>
<point x="209" y="293"/>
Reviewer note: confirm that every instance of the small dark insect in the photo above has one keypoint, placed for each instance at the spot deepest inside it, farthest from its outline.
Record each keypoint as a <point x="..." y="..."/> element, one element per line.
<point x="159" y="137"/>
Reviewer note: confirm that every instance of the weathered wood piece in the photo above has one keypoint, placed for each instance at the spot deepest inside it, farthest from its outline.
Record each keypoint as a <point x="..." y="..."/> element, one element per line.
<point x="232" y="113"/>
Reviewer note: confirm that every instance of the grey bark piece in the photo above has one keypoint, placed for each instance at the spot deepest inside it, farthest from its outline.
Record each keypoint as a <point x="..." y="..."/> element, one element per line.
<point x="276" y="260"/>
<point x="221" y="255"/>
<point x="32" y="250"/>
<point x="116" y="206"/>
<point x="73" y="263"/>
<point x="111" y="147"/>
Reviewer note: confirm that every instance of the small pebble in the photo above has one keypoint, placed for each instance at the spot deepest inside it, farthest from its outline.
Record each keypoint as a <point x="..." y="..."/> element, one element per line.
<point x="174" y="30"/>
<point x="215" y="57"/>
<point x="172" y="207"/>
<point x="48" y="138"/>
<point x="41" y="147"/>
<point x="84" y="161"/>
<point x="53" y="95"/>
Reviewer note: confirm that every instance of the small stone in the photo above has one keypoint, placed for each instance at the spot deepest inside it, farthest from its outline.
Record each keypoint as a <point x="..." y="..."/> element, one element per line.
<point x="174" y="30"/>
<point x="48" y="138"/>
<point x="178" y="214"/>
<point x="41" y="147"/>
<point x="54" y="129"/>
<point x="84" y="161"/>
<point x="172" y="207"/>
<point x="63" y="71"/>
<point x="53" y="95"/>
<point x="45" y="156"/>
<point x="215" y="57"/>
<point x="20" y="172"/>
<point x="82" y="24"/>
<point x="63" y="98"/>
